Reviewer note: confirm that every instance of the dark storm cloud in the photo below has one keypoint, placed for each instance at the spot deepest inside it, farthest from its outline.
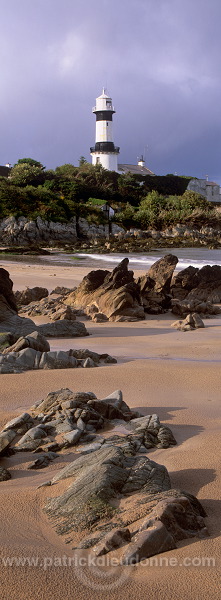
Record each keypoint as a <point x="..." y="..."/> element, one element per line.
<point x="158" y="58"/>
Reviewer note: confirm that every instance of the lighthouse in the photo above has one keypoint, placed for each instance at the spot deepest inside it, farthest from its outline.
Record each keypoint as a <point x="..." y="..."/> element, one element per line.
<point x="104" y="152"/>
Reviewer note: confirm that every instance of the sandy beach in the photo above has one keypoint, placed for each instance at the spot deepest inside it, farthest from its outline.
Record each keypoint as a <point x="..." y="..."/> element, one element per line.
<point x="160" y="370"/>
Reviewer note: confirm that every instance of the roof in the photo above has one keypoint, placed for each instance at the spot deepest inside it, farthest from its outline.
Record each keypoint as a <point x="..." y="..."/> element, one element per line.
<point x="135" y="169"/>
<point x="211" y="183"/>
<point x="104" y="95"/>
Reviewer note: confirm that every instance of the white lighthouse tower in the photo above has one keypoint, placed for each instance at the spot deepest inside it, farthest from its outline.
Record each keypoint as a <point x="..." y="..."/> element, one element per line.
<point x="104" y="152"/>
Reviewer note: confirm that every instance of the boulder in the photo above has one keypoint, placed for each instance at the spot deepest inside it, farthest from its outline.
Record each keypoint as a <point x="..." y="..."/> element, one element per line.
<point x="113" y="539"/>
<point x="147" y="543"/>
<point x="154" y="287"/>
<point x="161" y="273"/>
<point x="72" y="437"/>
<point x="6" y="437"/>
<point x="6" y="340"/>
<point x="192" y="321"/>
<point x="58" y="359"/>
<point x="63" y="328"/>
<point x="88" y="363"/>
<point x="43" y="460"/>
<point x="149" y="431"/>
<point x="63" y="312"/>
<point x="182" y="516"/>
<point x="34" y="340"/>
<point x="182" y="282"/>
<point x="28" y="295"/>
<point x="18" y="422"/>
<point x="4" y="474"/>
<point x="6" y="292"/>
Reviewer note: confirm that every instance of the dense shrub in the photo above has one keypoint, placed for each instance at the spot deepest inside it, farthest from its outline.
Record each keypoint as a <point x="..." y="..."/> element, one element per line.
<point x="139" y="201"/>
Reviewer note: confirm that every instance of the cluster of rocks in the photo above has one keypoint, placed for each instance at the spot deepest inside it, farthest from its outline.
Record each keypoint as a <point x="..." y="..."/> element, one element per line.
<point x="33" y="352"/>
<point x="19" y="326"/>
<point x="49" y="305"/>
<point x="118" y="296"/>
<point x="150" y="518"/>
<point x="180" y="233"/>
<point x="115" y="296"/>
<point x="137" y="240"/>
<point x="64" y="419"/>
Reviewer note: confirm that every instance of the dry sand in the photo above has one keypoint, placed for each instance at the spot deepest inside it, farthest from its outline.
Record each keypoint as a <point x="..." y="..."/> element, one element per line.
<point x="159" y="369"/>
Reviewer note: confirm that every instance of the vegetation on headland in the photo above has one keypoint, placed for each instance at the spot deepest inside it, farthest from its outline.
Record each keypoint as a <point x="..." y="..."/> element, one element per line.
<point x="139" y="201"/>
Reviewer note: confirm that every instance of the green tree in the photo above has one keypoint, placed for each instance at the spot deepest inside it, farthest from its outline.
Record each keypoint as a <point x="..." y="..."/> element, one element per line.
<point x="67" y="171"/>
<point x="82" y="161"/>
<point x="24" y="174"/>
<point x="30" y="161"/>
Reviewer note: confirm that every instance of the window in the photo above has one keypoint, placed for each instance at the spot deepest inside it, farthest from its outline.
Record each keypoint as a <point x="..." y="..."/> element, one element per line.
<point x="98" y="160"/>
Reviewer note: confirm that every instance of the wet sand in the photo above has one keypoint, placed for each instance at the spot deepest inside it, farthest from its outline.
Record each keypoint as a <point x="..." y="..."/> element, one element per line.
<point x="174" y="374"/>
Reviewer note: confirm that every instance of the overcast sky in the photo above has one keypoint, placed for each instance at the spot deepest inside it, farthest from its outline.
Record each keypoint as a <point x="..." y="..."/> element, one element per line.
<point x="160" y="61"/>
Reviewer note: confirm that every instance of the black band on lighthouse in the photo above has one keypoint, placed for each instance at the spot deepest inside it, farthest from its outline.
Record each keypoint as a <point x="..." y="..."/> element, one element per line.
<point x="104" y="115"/>
<point x="105" y="147"/>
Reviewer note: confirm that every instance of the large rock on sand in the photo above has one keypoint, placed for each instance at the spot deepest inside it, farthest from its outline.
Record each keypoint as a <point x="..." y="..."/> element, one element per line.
<point x="114" y="294"/>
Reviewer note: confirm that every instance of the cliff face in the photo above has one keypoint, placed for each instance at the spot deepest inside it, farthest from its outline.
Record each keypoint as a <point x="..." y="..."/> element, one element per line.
<point x="22" y="231"/>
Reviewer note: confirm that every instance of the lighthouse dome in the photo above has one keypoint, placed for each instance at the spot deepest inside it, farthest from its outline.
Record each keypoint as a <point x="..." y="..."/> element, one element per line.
<point x="103" y="102"/>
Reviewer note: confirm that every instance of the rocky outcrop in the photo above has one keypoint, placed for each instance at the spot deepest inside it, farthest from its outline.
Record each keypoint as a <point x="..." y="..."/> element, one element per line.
<point x="97" y="480"/>
<point x="6" y="437"/>
<point x="24" y="232"/>
<point x="176" y="516"/>
<point x="149" y="517"/>
<point x="142" y="489"/>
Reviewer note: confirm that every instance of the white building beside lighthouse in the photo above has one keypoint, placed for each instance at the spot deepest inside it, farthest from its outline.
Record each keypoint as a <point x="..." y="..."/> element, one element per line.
<point x="104" y="151"/>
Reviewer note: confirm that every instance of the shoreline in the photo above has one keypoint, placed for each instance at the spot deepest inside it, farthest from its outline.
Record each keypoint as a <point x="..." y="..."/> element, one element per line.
<point x="184" y="391"/>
